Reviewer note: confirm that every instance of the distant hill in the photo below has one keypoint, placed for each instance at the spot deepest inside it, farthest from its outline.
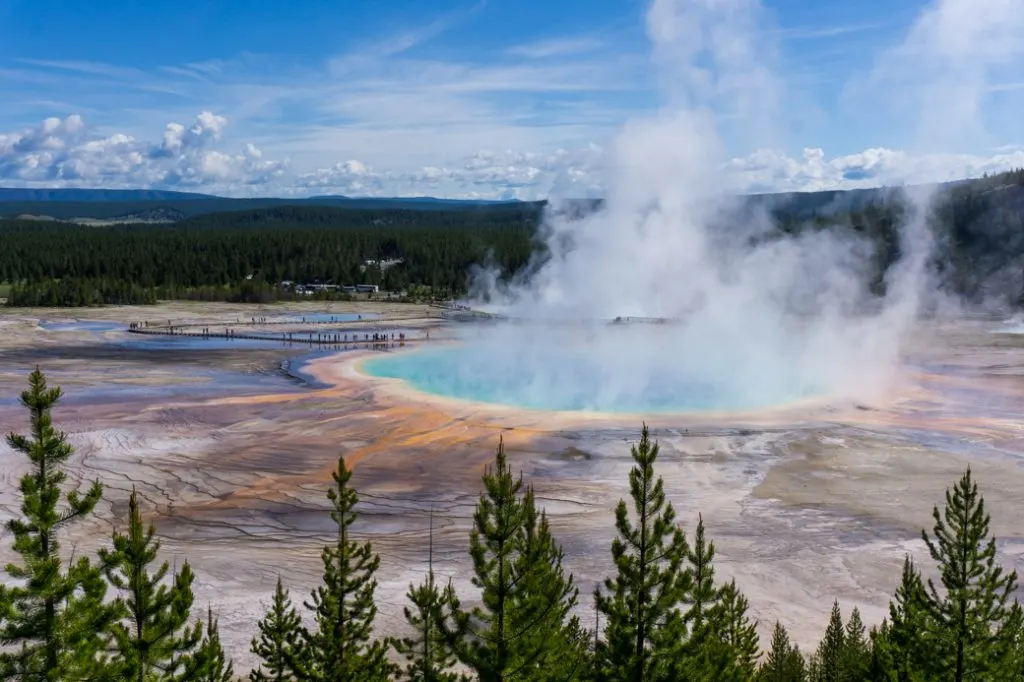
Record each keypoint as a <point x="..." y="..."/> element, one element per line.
<point x="128" y="205"/>
<point x="134" y="195"/>
<point x="156" y="206"/>
<point x="87" y="205"/>
<point x="95" y="195"/>
<point x="333" y="198"/>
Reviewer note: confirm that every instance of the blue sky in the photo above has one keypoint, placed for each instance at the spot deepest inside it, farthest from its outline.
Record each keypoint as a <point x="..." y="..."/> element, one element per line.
<point x="492" y="97"/>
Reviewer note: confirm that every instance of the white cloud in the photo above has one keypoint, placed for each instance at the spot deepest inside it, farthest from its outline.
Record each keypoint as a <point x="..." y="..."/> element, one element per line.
<point x="485" y="174"/>
<point x="206" y="129"/>
<point x="772" y="171"/>
<point x="63" y="152"/>
<point x="347" y="177"/>
<point x="199" y="157"/>
<point x="391" y="115"/>
<point x="387" y="99"/>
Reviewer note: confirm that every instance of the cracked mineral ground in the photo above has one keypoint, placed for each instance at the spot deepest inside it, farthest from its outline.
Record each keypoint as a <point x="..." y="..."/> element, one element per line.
<point x="232" y="447"/>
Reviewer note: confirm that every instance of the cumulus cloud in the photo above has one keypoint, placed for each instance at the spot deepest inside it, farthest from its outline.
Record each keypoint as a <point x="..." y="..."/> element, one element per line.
<point x="29" y="152"/>
<point x="346" y="177"/>
<point x="177" y="138"/>
<point x="559" y="173"/>
<point x="68" y="153"/>
<point x="768" y="170"/>
<point x="579" y="173"/>
<point x="486" y="174"/>
<point x="530" y="120"/>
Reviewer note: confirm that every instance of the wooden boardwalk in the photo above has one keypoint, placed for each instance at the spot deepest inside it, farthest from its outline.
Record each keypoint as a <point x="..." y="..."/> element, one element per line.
<point x="358" y="338"/>
<point x="297" y="321"/>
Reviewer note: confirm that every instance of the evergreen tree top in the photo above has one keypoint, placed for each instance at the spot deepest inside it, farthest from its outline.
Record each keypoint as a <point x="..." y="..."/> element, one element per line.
<point x="154" y="637"/>
<point x="342" y="647"/>
<point x="279" y="645"/>
<point x="53" y="617"/>
<point x="970" y="621"/>
<point x="642" y="601"/>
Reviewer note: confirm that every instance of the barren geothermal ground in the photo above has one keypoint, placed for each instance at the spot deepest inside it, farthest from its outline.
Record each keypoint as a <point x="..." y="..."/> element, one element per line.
<point x="233" y="456"/>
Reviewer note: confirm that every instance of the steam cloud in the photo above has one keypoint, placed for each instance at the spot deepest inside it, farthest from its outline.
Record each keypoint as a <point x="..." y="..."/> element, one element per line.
<point x="759" y="322"/>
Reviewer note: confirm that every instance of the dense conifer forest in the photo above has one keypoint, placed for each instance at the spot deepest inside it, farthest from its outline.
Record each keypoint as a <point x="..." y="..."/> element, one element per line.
<point x="123" y="205"/>
<point x="243" y="256"/>
<point x="662" y="614"/>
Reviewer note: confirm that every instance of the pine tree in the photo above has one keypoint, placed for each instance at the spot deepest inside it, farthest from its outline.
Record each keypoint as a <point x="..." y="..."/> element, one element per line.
<point x="899" y="647"/>
<point x="484" y="638"/>
<point x="881" y="666"/>
<point x="545" y="615"/>
<point x="703" y="595"/>
<point x="798" y="665"/>
<point x="641" y="604"/>
<point x="51" y="619"/>
<point x="214" y="665"/>
<point x="1013" y="667"/>
<point x="152" y="638"/>
<point x="429" y="656"/>
<point x="814" y="672"/>
<point x="522" y="630"/>
<point x="783" y="662"/>
<point x="702" y="654"/>
<point x="970" y="624"/>
<point x="828" y="663"/>
<point x="342" y="648"/>
<point x="737" y="634"/>
<point x="855" y="658"/>
<point x="279" y="645"/>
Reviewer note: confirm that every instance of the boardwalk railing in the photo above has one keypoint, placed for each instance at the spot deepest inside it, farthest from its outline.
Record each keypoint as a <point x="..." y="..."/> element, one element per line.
<point x="264" y="322"/>
<point x="336" y="338"/>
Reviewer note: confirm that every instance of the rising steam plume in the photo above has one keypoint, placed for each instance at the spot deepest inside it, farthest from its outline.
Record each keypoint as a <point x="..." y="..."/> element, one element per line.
<point x="758" y="321"/>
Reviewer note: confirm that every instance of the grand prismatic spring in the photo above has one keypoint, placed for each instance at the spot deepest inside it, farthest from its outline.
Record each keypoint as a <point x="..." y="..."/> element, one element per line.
<point x="232" y="447"/>
<point x="575" y="380"/>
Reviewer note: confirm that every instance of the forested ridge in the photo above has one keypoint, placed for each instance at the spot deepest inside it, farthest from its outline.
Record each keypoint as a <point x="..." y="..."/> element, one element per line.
<point x="122" y="204"/>
<point x="662" y="615"/>
<point x="213" y="256"/>
<point x="977" y="225"/>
